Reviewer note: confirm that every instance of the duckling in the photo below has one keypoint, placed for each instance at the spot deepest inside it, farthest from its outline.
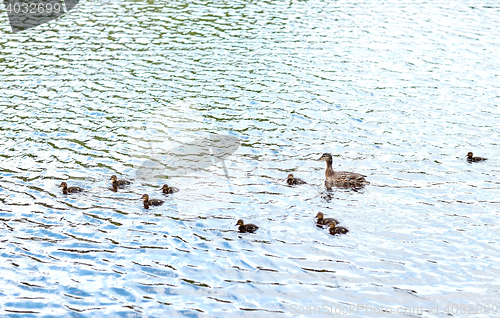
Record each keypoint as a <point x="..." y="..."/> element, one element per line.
<point x="337" y="229"/>
<point x="323" y="221"/>
<point x="118" y="183"/>
<point x="148" y="202"/>
<point x="250" y="228"/>
<point x="291" y="180"/>
<point x="67" y="190"/>
<point x="470" y="158"/>
<point x="168" y="190"/>
<point x="341" y="178"/>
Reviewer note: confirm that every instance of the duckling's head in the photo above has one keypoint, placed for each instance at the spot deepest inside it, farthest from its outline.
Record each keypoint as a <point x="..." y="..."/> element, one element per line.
<point x="113" y="177"/>
<point x="240" y="222"/>
<point x="469" y="155"/>
<point x="332" y="226"/>
<point x="145" y="197"/>
<point x="290" y="176"/>
<point x="64" y="185"/>
<point x="165" y="187"/>
<point x="319" y="215"/>
<point x="326" y="157"/>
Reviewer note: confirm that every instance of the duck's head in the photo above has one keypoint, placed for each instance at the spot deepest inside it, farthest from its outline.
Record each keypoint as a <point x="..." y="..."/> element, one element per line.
<point x="64" y="185"/>
<point x="325" y="157"/>
<point x="165" y="187"/>
<point x="319" y="215"/>
<point x="113" y="177"/>
<point x="240" y="222"/>
<point x="145" y="197"/>
<point x="469" y="154"/>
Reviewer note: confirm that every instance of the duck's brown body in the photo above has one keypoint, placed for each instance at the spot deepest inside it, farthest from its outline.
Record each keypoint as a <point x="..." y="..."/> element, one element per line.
<point x="334" y="230"/>
<point x="325" y="221"/>
<point x="169" y="190"/>
<point x="66" y="189"/>
<point x="250" y="228"/>
<point x="150" y="202"/>
<point x="291" y="180"/>
<point x="118" y="183"/>
<point x="471" y="158"/>
<point x="341" y="178"/>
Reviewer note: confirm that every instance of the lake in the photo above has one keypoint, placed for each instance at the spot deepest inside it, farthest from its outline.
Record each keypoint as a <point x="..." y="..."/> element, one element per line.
<point x="396" y="91"/>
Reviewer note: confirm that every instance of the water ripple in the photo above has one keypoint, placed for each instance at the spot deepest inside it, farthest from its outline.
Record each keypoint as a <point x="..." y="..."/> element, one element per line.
<point x="400" y="92"/>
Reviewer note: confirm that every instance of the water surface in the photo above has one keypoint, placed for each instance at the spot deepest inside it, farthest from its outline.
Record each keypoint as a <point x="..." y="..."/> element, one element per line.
<point x="397" y="91"/>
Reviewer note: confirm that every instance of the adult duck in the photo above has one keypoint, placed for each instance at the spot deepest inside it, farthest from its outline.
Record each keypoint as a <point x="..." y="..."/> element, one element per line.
<point x="341" y="178"/>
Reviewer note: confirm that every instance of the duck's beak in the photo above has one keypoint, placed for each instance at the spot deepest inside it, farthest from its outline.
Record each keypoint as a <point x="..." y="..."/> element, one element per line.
<point x="320" y="159"/>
